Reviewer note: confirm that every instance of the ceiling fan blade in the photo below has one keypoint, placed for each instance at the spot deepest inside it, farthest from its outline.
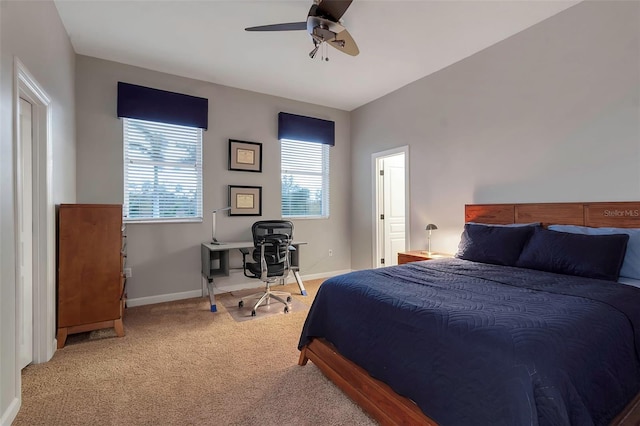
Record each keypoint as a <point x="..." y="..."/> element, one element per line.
<point x="290" y="26"/>
<point x="345" y="43"/>
<point x="333" y="9"/>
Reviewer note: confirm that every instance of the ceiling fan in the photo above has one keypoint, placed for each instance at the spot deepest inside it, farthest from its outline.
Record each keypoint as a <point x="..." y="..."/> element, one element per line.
<point x="324" y="25"/>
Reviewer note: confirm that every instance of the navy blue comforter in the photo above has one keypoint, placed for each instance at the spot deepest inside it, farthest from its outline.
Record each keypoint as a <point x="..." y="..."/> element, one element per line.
<point x="477" y="344"/>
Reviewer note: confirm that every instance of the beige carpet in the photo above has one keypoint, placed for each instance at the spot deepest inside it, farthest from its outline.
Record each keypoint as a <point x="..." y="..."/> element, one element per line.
<point x="180" y="364"/>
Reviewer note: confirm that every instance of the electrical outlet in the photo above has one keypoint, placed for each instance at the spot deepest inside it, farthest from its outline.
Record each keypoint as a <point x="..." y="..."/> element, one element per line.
<point x="128" y="273"/>
<point x="330" y="252"/>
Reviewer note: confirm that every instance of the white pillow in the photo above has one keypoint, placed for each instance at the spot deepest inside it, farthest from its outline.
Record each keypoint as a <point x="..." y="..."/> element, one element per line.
<point x="631" y="264"/>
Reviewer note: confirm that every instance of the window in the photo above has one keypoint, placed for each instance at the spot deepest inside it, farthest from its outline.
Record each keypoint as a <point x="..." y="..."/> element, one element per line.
<point x="305" y="179"/>
<point x="162" y="172"/>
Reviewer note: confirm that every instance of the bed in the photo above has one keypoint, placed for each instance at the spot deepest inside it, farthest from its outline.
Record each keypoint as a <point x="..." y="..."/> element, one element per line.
<point x="457" y="341"/>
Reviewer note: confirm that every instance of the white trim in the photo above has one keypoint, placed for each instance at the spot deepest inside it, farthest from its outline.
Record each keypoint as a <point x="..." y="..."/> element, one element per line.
<point x="320" y="275"/>
<point x="10" y="413"/>
<point x="252" y="283"/>
<point x="161" y="298"/>
<point x="374" y="196"/>
<point x="44" y="309"/>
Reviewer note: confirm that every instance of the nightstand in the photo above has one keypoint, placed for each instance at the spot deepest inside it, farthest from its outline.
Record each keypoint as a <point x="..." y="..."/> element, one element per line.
<point x="418" y="255"/>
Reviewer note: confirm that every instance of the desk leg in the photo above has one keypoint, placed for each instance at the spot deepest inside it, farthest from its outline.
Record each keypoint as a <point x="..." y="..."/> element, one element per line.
<point x="212" y="297"/>
<point x="300" y="284"/>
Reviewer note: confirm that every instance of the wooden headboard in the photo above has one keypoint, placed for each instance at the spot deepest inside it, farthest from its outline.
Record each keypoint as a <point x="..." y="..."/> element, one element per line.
<point x="615" y="214"/>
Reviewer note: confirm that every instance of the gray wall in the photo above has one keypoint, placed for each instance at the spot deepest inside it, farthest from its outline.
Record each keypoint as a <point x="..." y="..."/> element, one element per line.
<point x="550" y="114"/>
<point x="33" y="32"/>
<point x="165" y="258"/>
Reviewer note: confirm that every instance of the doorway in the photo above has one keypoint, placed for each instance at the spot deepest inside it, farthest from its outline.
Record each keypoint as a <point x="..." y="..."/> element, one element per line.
<point x="34" y="221"/>
<point x="391" y="206"/>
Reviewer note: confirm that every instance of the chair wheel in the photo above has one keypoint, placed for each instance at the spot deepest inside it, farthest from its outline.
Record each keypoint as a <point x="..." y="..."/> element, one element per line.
<point x="253" y="313"/>
<point x="286" y="309"/>
<point x="289" y="299"/>
<point x="240" y="304"/>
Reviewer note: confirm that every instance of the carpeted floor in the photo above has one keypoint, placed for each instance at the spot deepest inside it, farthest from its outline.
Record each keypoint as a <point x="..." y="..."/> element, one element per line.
<point x="179" y="364"/>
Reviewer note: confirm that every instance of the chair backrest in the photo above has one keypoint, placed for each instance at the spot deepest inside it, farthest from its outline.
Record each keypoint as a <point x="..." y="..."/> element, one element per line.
<point x="272" y="231"/>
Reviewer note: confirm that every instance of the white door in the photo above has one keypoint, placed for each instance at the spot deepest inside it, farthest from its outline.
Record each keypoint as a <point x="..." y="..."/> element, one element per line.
<point x="25" y="225"/>
<point x="393" y="198"/>
<point x="390" y="208"/>
<point x="390" y="173"/>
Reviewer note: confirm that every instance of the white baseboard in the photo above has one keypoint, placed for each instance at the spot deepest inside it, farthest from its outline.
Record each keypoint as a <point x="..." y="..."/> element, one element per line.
<point x="10" y="413"/>
<point x="228" y="288"/>
<point x="292" y="279"/>
<point x="161" y="298"/>
<point x="253" y="284"/>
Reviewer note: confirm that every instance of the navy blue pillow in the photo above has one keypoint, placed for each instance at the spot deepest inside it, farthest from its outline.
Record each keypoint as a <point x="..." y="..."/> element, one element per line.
<point x="499" y="245"/>
<point x="591" y="256"/>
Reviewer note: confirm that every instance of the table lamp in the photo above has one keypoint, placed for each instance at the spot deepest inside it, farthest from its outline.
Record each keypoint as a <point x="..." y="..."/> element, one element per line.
<point x="430" y="227"/>
<point x="213" y="224"/>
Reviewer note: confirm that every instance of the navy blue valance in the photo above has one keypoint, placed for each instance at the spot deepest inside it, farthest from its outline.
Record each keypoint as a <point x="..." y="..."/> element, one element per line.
<point x="308" y="129"/>
<point x="145" y="103"/>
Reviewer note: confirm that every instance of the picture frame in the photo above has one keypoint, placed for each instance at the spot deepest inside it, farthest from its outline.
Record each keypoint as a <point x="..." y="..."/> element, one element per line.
<point x="245" y="200"/>
<point x="245" y="156"/>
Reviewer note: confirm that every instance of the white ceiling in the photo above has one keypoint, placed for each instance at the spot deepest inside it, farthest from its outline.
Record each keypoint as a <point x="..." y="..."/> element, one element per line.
<point x="399" y="41"/>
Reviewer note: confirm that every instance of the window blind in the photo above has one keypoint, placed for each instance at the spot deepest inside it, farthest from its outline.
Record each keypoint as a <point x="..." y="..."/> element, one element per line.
<point x="162" y="172"/>
<point x="305" y="179"/>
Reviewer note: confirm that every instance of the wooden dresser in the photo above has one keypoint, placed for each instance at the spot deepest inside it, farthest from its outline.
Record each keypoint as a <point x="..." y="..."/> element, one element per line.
<point x="91" y="256"/>
<point x="419" y="255"/>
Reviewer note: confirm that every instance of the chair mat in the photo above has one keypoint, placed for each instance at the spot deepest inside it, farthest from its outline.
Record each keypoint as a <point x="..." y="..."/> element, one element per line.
<point x="230" y="302"/>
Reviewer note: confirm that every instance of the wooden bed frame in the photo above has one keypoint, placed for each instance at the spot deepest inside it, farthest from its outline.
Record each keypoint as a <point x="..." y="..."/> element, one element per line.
<point x="389" y="408"/>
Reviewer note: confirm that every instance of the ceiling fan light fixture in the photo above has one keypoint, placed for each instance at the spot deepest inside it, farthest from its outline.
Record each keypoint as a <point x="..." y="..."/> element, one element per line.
<point x="324" y="25"/>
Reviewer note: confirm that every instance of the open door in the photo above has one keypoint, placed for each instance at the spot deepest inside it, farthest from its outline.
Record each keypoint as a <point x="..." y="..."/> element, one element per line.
<point x="391" y="207"/>
<point x="25" y="228"/>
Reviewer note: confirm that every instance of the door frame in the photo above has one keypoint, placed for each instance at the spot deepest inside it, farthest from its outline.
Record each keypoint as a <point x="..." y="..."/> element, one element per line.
<point x="44" y="309"/>
<point x="375" y="191"/>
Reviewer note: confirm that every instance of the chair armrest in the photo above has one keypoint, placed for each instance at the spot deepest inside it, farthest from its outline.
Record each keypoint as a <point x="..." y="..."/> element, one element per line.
<point x="245" y="252"/>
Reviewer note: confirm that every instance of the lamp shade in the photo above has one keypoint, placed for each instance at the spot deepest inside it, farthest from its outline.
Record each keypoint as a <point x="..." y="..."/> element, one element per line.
<point x="431" y="226"/>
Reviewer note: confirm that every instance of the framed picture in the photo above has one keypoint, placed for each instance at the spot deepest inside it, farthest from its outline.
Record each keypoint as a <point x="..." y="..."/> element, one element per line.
<point x="245" y="200"/>
<point x="245" y="156"/>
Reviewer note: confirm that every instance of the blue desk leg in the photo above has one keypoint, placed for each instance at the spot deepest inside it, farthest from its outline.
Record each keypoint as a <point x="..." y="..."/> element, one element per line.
<point x="212" y="297"/>
<point x="300" y="284"/>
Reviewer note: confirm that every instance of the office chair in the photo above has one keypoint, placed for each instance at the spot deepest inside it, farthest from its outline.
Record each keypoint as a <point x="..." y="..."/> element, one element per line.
<point x="272" y="243"/>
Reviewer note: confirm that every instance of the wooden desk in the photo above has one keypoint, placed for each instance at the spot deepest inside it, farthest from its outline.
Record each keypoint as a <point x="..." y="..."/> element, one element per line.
<point x="419" y="255"/>
<point x="219" y="254"/>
